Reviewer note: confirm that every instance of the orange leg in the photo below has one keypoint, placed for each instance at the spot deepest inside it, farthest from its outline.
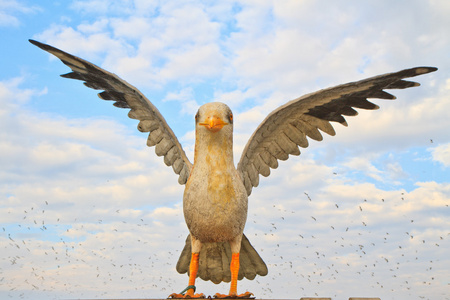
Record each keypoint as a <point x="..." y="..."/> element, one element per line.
<point x="193" y="268"/>
<point x="234" y="268"/>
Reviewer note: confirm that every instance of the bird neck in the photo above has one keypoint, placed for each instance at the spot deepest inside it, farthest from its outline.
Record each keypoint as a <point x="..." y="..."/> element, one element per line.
<point x="215" y="150"/>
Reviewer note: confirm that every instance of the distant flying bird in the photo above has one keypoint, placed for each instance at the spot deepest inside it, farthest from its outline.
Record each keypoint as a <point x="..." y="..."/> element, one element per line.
<point x="215" y="197"/>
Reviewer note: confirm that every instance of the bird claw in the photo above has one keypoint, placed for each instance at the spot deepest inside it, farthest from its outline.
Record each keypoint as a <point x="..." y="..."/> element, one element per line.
<point x="186" y="296"/>
<point x="246" y="295"/>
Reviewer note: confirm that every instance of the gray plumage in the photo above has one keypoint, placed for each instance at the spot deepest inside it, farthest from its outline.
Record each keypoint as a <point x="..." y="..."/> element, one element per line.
<point x="125" y="95"/>
<point x="287" y="127"/>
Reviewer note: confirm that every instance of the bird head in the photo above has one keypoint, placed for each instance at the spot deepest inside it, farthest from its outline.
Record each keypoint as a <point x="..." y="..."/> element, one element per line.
<point x="214" y="116"/>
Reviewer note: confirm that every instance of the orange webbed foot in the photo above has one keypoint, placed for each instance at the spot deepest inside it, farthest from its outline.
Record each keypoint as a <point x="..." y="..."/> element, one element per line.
<point x="246" y="295"/>
<point x="186" y="296"/>
<point x="190" y="290"/>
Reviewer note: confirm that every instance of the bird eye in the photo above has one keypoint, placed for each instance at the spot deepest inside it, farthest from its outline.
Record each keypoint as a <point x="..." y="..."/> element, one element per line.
<point x="231" y="117"/>
<point x="196" y="117"/>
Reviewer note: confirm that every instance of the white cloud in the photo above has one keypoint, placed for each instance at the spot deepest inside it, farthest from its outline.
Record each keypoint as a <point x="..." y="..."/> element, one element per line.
<point x="68" y="185"/>
<point x="364" y="164"/>
<point x="441" y="154"/>
<point x="355" y="224"/>
<point x="131" y="28"/>
<point x="199" y="61"/>
<point x="189" y="105"/>
<point x="88" y="40"/>
<point x="102" y="7"/>
<point x="179" y="43"/>
<point x="96" y="27"/>
<point x="82" y="160"/>
<point x="9" y="90"/>
<point x="9" y="9"/>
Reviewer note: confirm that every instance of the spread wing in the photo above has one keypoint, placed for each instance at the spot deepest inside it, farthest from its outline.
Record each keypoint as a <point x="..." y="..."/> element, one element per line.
<point x="127" y="96"/>
<point x="287" y="127"/>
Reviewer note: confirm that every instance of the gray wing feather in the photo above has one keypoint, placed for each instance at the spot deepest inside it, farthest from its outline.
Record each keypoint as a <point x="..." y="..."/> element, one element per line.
<point x="288" y="127"/>
<point x="125" y="95"/>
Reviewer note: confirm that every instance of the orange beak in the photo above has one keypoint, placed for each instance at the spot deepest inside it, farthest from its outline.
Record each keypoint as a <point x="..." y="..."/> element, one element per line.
<point x="213" y="123"/>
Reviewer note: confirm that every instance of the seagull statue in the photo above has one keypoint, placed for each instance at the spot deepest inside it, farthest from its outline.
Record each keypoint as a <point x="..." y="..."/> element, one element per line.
<point x="215" y="199"/>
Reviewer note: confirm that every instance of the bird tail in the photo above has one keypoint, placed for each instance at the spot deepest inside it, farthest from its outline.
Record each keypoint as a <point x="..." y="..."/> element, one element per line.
<point x="215" y="259"/>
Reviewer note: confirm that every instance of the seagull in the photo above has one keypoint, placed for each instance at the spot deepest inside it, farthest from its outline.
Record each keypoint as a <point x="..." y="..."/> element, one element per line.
<point x="215" y="199"/>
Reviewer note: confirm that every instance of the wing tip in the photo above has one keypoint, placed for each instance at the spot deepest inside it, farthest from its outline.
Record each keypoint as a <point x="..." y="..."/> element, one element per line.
<point x="425" y="70"/>
<point x="40" y="45"/>
<point x="34" y="42"/>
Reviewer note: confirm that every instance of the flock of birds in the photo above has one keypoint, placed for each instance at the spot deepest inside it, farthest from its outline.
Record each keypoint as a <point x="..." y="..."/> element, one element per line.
<point x="34" y="261"/>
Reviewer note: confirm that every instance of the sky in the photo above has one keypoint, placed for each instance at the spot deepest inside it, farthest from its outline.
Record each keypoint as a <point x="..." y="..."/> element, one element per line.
<point x="89" y="211"/>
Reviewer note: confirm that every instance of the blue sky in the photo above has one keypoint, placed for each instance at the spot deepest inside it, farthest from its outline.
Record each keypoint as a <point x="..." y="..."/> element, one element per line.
<point x="88" y="211"/>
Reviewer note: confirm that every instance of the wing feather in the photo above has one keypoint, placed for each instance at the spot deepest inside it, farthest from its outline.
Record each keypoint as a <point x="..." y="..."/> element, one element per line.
<point x="261" y="165"/>
<point x="276" y="151"/>
<point x="287" y="145"/>
<point x="269" y="159"/>
<point x="247" y="181"/>
<point x="296" y="135"/>
<point x="253" y="175"/>
<point x="286" y="128"/>
<point x="125" y="95"/>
